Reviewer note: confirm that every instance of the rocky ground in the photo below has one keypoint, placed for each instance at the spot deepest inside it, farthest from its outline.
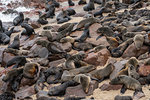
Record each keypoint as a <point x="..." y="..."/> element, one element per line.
<point x="132" y="22"/>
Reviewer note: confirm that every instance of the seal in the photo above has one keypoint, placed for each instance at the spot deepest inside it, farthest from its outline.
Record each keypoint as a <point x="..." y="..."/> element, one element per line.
<point x="138" y="41"/>
<point x="70" y="62"/>
<point x="4" y="39"/>
<point x="90" y="6"/>
<point x="128" y="83"/>
<point x="28" y="29"/>
<point x="2" y="29"/>
<point x="85" y="34"/>
<point x="82" y="2"/>
<point x="101" y="74"/>
<point x="67" y="39"/>
<point x="8" y="33"/>
<point x="62" y="17"/>
<point x="118" y="97"/>
<point x="16" y="43"/>
<point x="100" y="12"/>
<point x="69" y="75"/>
<point x="18" y="61"/>
<point x="13" y="78"/>
<point x="84" y="80"/>
<point x="71" y="11"/>
<point x="70" y="3"/>
<point x="19" y="19"/>
<point x="7" y="96"/>
<point x="60" y="89"/>
<point x="83" y="46"/>
<point x="132" y="72"/>
<point x="51" y="11"/>
<point x="30" y="70"/>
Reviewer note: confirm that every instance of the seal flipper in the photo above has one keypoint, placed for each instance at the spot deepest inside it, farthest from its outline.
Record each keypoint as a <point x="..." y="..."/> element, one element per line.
<point x="123" y="89"/>
<point x="98" y="37"/>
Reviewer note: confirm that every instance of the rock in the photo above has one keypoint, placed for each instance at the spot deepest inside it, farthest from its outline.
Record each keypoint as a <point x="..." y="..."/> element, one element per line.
<point x="41" y="94"/>
<point x="34" y="50"/>
<point x="43" y="62"/>
<point x="26" y="45"/>
<point x="144" y="70"/>
<point x="26" y="81"/>
<point x="1" y="84"/>
<point x="118" y="66"/>
<point x="78" y="91"/>
<point x="43" y="53"/>
<point x="99" y="58"/>
<point x="25" y="92"/>
<point x="6" y="57"/>
<point x="47" y="33"/>
<point x="57" y="62"/>
<point x="131" y="51"/>
<point x="138" y="96"/>
<point x="108" y="87"/>
<point x="126" y="1"/>
<point x="66" y="46"/>
<point x="35" y="25"/>
<point x="1" y="54"/>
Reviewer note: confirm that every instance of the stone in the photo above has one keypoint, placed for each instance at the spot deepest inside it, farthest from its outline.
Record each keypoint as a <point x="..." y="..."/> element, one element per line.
<point x="43" y="53"/>
<point x="25" y="92"/>
<point x="26" y="81"/>
<point x="1" y="54"/>
<point x="35" y="25"/>
<point x="26" y="45"/>
<point x="43" y="62"/>
<point x="34" y="50"/>
<point x="41" y="94"/>
<point x="57" y="62"/>
<point x="131" y="51"/>
<point x="66" y="46"/>
<point x="98" y="59"/>
<point x="6" y="57"/>
<point x="47" y="33"/>
<point x="126" y="1"/>
<point x="144" y="70"/>
<point x="78" y="91"/>
<point x="108" y="87"/>
<point x="118" y="66"/>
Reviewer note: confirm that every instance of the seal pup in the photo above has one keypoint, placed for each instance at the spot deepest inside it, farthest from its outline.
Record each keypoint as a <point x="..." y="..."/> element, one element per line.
<point x="128" y="83"/>
<point x="51" y="11"/>
<point x="101" y="74"/>
<point x="19" y="19"/>
<point x="4" y="39"/>
<point x="2" y="29"/>
<point x="60" y="89"/>
<point x="83" y="46"/>
<point x="30" y="70"/>
<point x="57" y="4"/>
<point x="28" y="29"/>
<point x="82" y="2"/>
<point x="138" y="41"/>
<point x="70" y="3"/>
<point x="62" y="17"/>
<point x="90" y="6"/>
<point x="70" y="62"/>
<point x="18" y="61"/>
<point x="8" y="33"/>
<point x="84" y="80"/>
<point x="132" y="72"/>
<point x="16" y="43"/>
<point x="67" y="39"/>
<point x="71" y="11"/>
<point x="85" y="34"/>
<point x="42" y="19"/>
<point x="100" y="12"/>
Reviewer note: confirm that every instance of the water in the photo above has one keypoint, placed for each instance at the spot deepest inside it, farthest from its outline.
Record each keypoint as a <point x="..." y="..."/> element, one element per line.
<point x="10" y="17"/>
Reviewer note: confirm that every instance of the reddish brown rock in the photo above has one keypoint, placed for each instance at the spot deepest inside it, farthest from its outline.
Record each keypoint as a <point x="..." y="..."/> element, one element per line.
<point x="25" y="92"/>
<point x="99" y="58"/>
<point x="126" y="1"/>
<point x="131" y="51"/>
<point x="56" y="63"/>
<point x="78" y="91"/>
<point x="26" y="81"/>
<point x="118" y="66"/>
<point x="66" y="46"/>
<point x="35" y="25"/>
<point x="1" y="54"/>
<point x="144" y="70"/>
<point x="6" y="57"/>
<point x="108" y="87"/>
<point x="34" y="50"/>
